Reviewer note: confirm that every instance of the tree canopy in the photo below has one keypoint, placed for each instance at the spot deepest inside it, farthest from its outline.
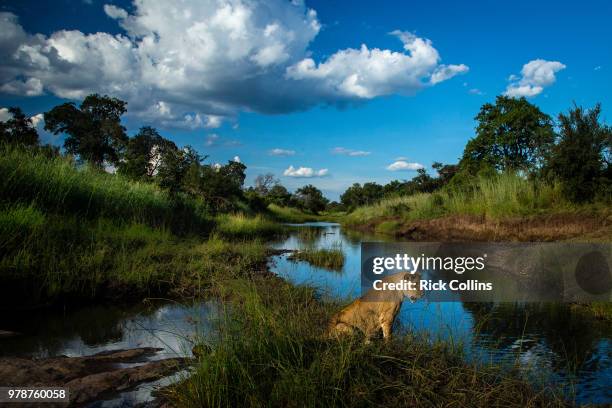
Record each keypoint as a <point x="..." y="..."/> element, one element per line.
<point x="512" y="134"/>
<point x="18" y="130"/>
<point x="581" y="157"/>
<point x="94" y="131"/>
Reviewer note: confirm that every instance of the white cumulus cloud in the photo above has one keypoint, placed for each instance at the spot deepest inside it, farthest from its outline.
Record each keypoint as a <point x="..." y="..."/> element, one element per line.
<point x="535" y="76"/>
<point x="402" y="165"/>
<point x="305" y="172"/>
<point x="281" y="152"/>
<point x="193" y="64"/>
<point x="350" y="152"/>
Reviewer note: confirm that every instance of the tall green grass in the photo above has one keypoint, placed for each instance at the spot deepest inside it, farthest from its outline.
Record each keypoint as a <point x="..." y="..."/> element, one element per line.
<point x="57" y="185"/>
<point x="505" y="195"/>
<point x="241" y="226"/>
<point x="68" y="231"/>
<point x="49" y="257"/>
<point x="332" y="258"/>
<point x="291" y="215"/>
<point x="272" y="351"/>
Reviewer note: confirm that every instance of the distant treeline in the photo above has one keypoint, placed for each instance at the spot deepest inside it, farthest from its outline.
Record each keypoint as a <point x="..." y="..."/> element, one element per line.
<point x="96" y="137"/>
<point x="514" y="136"/>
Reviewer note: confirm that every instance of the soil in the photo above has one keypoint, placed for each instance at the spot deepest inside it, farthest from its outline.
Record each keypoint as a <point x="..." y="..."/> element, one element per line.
<point x="472" y="228"/>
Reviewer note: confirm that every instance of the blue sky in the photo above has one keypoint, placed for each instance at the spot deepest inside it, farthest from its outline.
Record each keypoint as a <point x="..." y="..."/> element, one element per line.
<point x="232" y="78"/>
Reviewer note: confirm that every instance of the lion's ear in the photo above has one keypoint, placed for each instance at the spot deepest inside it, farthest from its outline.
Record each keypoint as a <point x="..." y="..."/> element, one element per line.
<point x="408" y="276"/>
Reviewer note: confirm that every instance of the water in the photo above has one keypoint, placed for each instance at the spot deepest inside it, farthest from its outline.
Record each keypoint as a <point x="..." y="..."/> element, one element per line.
<point x="551" y="338"/>
<point x="550" y="342"/>
<point x="172" y="327"/>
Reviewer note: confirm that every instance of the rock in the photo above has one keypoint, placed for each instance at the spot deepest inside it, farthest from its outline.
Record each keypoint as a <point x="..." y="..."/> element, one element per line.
<point x="89" y="377"/>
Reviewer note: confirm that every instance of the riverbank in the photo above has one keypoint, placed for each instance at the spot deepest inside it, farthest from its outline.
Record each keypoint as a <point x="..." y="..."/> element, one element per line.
<point x="454" y="228"/>
<point x="505" y="207"/>
<point x="72" y="235"/>
<point x="272" y="351"/>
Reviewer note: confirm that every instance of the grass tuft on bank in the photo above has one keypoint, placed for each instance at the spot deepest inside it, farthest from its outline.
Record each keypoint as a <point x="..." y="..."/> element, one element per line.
<point x="241" y="226"/>
<point x="332" y="259"/>
<point x="291" y="215"/>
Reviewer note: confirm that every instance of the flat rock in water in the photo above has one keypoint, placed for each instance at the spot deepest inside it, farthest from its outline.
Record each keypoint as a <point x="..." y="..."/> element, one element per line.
<point x="89" y="378"/>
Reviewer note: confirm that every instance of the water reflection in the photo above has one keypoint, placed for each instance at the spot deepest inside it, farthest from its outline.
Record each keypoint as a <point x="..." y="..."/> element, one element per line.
<point x="92" y="329"/>
<point x="561" y="343"/>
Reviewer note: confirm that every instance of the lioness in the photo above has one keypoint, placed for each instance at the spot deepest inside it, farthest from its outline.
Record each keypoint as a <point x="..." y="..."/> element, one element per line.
<point x="375" y="310"/>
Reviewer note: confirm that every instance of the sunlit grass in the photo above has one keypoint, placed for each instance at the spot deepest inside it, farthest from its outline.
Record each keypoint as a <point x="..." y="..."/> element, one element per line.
<point x="239" y="225"/>
<point x="321" y="257"/>
<point x="57" y="185"/>
<point x="272" y="351"/>
<point x="506" y="195"/>
<point x="291" y="215"/>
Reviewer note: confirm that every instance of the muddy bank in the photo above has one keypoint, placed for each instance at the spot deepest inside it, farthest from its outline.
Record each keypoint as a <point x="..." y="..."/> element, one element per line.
<point x="89" y="378"/>
<point x="559" y="227"/>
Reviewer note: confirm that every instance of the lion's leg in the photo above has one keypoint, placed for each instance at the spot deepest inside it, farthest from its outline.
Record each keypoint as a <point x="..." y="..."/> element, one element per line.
<point x="386" y="329"/>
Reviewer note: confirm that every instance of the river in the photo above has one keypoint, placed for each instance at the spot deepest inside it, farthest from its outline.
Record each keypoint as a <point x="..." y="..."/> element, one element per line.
<point x="550" y="342"/>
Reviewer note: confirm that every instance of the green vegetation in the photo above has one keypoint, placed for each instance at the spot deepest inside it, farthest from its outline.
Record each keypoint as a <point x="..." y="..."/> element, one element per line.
<point x="56" y="185"/>
<point x="499" y="196"/>
<point x="18" y="130"/>
<point x="272" y="351"/>
<point x="322" y="257"/>
<point x="170" y="225"/>
<point x="61" y="257"/>
<point x="77" y="232"/>
<point x="515" y="167"/>
<point x="240" y="226"/>
<point x="291" y="215"/>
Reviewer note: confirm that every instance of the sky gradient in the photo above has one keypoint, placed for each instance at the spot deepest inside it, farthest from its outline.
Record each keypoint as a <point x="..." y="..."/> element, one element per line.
<point x="326" y="92"/>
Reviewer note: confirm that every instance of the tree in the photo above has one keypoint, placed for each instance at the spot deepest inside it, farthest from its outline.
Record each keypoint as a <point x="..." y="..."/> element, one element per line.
<point x="421" y="183"/>
<point x="145" y="154"/>
<point x="512" y="134"/>
<point x="94" y="131"/>
<point x="358" y="195"/>
<point x="394" y="187"/>
<point x="581" y="157"/>
<point x="445" y="172"/>
<point x="310" y="198"/>
<point x="265" y="182"/>
<point x="279" y="195"/>
<point x="18" y="130"/>
<point x="179" y="171"/>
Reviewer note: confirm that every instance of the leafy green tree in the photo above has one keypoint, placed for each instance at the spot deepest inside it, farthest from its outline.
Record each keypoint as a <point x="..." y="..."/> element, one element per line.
<point x="394" y="188"/>
<point x="279" y="195"/>
<point x="581" y="157"/>
<point x="445" y="172"/>
<point x="358" y="195"/>
<point x="94" y="131"/>
<point x="512" y="134"/>
<point x="222" y="185"/>
<point x="421" y="183"/>
<point x="179" y="171"/>
<point x="18" y="130"/>
<point x="310" y="198"/>
<point x="145" y="153"/>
